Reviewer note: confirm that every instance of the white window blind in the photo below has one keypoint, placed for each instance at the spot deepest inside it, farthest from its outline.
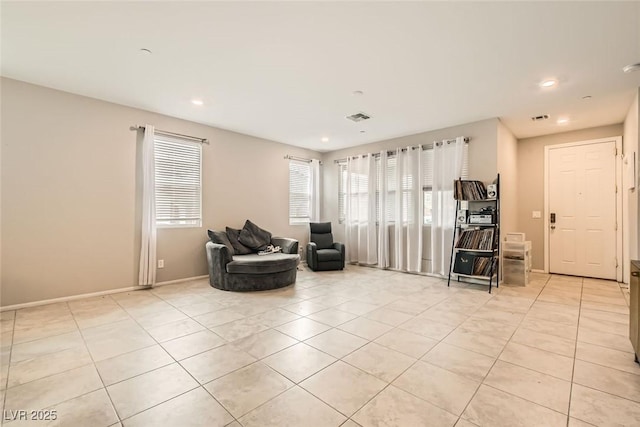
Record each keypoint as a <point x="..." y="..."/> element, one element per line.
<point x="178" y="182"/>
<point x="299" y="192"/>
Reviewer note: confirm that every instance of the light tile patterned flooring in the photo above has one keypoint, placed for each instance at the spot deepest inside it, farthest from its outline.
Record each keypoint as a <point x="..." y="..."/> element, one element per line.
<point x="359" y="347"/>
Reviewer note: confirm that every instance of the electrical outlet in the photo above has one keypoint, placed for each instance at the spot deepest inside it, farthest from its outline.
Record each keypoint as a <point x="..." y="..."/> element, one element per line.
<point x="536" y="214"/>
<point x="160" y="263"/>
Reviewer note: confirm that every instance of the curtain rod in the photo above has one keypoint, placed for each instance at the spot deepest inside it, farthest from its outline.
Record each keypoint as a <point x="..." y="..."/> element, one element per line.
<point x="428" y="146"/>
<point x="164" y="132"/>
<point x="300" y="159"/>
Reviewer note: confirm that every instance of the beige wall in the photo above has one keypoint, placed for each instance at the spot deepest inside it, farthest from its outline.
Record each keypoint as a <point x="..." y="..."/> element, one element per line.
<point x="531" y="181"/>
<point x="482" y="163"/>
<point x="507" y="158"/>
<point x="71" y="194"/>
<point x="630" y="200"/>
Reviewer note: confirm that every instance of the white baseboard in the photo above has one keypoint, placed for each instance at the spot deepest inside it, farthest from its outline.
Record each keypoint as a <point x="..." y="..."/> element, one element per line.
<point x="94" y="294"/>
<point x="535" y="270"/>
<point x="188" y="279"/>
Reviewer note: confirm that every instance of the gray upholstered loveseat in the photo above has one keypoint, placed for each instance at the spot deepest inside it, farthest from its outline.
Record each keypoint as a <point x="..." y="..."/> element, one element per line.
<point x="233" y="268"/>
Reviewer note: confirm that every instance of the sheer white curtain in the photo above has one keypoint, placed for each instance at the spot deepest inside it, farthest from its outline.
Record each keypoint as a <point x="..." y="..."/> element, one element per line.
<point x="447" y="167"/>
<point x="147" y="275"/>
<point x="407" y="214"/>
<point x="314" y="211"/>
<point x="383" y="225"/>
<point x="360" y="213"/>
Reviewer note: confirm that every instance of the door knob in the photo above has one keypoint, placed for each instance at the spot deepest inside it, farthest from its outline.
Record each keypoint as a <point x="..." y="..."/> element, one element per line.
<point x="553" y="227"/>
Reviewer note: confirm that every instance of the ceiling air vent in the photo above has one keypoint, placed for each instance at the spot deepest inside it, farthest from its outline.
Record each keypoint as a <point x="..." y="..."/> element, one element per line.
<point x="358" y="117"/>
<point x="540" y="117"/>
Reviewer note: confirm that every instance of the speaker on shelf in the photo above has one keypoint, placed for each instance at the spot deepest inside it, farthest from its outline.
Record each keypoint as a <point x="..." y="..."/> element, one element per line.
<point x="492" y="191"/>
<point x="461" y="218"/>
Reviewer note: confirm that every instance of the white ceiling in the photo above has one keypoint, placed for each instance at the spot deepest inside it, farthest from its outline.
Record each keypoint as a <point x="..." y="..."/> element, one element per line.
<point x="286" y="71"/>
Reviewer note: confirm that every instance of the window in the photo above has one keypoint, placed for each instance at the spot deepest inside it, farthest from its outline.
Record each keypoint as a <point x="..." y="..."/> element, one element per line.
<point x="427" y="186"/>
<point x="299" y="192"/>
<point x="427" y="180"/>
<point x="342" y="191"/>
<point x="178" y="182"/>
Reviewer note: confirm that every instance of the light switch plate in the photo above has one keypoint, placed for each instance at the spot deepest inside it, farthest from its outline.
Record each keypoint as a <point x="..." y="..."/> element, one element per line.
<point x="536" y="214"/>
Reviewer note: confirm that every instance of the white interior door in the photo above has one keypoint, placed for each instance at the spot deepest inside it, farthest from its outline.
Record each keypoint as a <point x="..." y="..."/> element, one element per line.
<point x="582" y="195"/>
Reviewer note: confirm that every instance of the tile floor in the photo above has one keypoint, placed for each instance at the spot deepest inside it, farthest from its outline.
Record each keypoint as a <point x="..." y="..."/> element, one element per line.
<point x="362" y="347"/>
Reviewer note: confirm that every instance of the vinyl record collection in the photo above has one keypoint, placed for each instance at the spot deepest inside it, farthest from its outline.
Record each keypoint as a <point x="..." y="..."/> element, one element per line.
<point x="469" y="190"/>
<point x="476" y="239"/>
<point x="482" y="265"/>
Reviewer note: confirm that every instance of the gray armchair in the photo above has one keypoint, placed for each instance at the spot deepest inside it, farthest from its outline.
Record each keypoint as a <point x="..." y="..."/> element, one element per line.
<point x="322" y="252"/>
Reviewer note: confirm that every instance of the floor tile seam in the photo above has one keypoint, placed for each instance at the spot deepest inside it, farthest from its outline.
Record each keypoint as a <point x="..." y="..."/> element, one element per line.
<point x="635" y="402"/>
<point x="51" y="375"/>
<point x="6" y="380"/>
<point x="121" y="419"/>
<point x="575" y="352"/>
<point x="13" y="342"/>
<point x="602" y="346"/>
<point x="320" y="321"/>
<point x="338" y="358"/>
<point x="579" y="419"/>
<point x="312" y="336"/>
<point x="336" y="409"/>
<point x="541" y="317"/>
<point x="264" y="357"/>
<point x="608" y="367"/>
<point x="531" y="401"/>
<point x="278" y="395"/>
<point x="548" y="351"/>
<point x="595" y="319"/>
<point x="180" y="336"/>
<point x="542" y="349"/>
<point x="95" y="367"/>
<point x="401" y="352"/>
<point x="237" y="419"/>
<point x="197" y="353"/>
<point x="534" y="371"/>
<point x="141" y="373"/>
<point x="496" y="359"/>
<point x="428" y="401"/>
<point x="605" y="302"/>
<point x="394" y="378"/>
<point x="605" y="332"/>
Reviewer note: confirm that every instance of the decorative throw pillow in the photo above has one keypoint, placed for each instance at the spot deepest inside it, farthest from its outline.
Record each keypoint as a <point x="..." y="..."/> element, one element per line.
<point x="254" y="237"/>
<point x="220" y="237"/>
<point x="238" y="247"/>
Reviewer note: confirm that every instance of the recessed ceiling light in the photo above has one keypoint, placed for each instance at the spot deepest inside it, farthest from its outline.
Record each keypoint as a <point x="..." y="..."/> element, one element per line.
<point x="631" y="67"/>
<point x="357" y="93"/>
<point x="325" y="139"/>
<point x="548" y="83"/>
<point x="562" y="121"/>
<point x="145" y="51"/>
<point x="197" y="102"/>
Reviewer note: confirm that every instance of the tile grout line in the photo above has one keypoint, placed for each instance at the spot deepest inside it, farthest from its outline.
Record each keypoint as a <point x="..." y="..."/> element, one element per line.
<point x="6" y="381"/>
<point x="575" y="352"/>
<point x="174" y="361"/>
<point x="95" y="367"/>
<point x="498" y="358"/>
<point x="401" y="373"/>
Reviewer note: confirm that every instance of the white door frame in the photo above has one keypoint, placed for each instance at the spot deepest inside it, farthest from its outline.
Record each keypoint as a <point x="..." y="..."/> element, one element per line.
<point x="618" y="143"/>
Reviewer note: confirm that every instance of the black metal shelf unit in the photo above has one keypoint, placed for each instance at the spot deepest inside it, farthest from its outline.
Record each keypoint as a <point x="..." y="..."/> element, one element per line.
<point x="475" y="250"/>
